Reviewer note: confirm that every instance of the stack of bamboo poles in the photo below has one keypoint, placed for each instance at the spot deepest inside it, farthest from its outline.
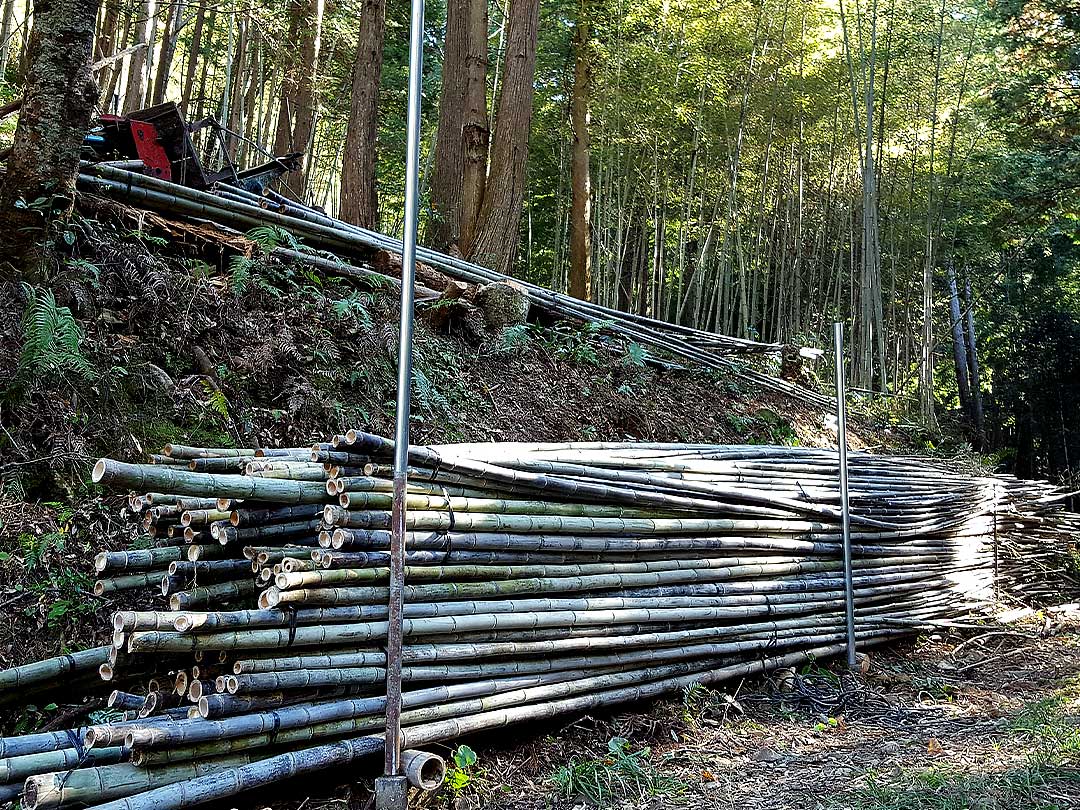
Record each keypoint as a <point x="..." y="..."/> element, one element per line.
<point x="237" y="208"/>
<point x="541" y="579"/>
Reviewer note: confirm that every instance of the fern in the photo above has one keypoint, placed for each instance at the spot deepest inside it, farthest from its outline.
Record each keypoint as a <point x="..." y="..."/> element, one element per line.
<point x="52" y="340"/>
<point x="428" y="396"/>
<point x="356" y="305"/>
<point x="268" y="237"/>
<point x="216" y="400"/>
<point x="514" y="337"/>
<point x="241" y="270"/>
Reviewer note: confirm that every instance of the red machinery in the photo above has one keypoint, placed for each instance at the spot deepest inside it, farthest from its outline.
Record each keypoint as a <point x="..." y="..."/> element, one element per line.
<point x="161" y="139"/>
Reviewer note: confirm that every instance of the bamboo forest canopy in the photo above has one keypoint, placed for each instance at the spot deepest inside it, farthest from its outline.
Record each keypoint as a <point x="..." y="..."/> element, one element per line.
<point x="759" y="168"/>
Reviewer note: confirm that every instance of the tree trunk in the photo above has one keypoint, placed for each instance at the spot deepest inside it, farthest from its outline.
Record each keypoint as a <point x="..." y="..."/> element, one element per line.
<point x="498" y="231"/>
<point x="306" y="104"/>
<point x="580" y="190"/>
<point x="475" y="134"/>
<point x="963" y="384"/>
<point x="59" y="99"/>
<point x="110" y="96"/>
<point x="165" y="55"/>
<point x="359" y="198"/>
<point x="234" y="87"/>
<point x="194" y="52"/>
<point x="449" y="144"/>
<point x="926" y="367"/>
<point x="5" y="35"/>
<point x="107" y="40"/>
<point x="973" y="367"/>
<point x="136" y="82"/>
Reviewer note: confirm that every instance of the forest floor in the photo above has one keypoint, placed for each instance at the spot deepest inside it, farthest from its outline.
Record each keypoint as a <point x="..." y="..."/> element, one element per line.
<point x="974" y="719"/>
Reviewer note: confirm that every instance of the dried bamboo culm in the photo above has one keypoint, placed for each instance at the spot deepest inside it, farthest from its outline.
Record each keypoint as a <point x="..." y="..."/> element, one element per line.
<point x="541" y="580"/>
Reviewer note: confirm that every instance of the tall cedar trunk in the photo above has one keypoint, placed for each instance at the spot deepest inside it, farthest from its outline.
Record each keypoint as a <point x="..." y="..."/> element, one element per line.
<point x="973" y="366"/>
<point x="963" y="384"/>
<point x="194" y="52"/>
<point x="926" y="366"/>
<point x="110" y="94"/>
<point x="283" y="133"/>
<point x="306" y="105"/>
<point x="251" y="98"/>
<point x="106" y="43"/>
<point x="5" y="33"/>
<point x="475" y="134"/>
<point x="234" y="90"/>
<point x="498" y="227"/>
<point x="59" y="99"/>
<point x="580" y="189"/>
<point x="449" y="145"/>
<point x="169" y="38"/>
<point x="359" y="199"/>
<point x="136" y="82"/>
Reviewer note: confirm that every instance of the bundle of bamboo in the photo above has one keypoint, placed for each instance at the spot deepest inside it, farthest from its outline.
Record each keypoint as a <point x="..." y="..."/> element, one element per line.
<point x="542" y="579"/>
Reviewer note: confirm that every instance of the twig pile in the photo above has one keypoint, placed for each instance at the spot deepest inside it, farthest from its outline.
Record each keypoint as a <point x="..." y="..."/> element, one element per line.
<point x="541" y="580"/>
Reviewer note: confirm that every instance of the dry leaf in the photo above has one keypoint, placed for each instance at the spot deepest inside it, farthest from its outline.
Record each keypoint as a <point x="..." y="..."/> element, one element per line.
<point x="933" y="746"/>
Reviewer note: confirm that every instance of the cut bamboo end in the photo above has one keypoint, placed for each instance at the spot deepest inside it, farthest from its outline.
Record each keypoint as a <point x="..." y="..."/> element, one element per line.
<point x="424" y="770"/>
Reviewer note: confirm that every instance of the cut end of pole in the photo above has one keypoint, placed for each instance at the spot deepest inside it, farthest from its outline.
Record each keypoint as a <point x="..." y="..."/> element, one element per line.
<point x="99" y="470"/>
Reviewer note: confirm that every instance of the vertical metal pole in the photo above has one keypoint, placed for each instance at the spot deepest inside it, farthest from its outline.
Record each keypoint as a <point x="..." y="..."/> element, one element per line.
<point x="391" y="791"/>
<point x="845" y="509"/>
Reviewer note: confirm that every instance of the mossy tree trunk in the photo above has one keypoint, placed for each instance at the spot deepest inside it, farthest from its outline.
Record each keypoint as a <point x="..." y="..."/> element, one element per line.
<point x="39" y="186"/>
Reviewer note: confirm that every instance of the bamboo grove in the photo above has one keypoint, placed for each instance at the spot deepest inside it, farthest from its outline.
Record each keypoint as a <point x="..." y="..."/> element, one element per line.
<point x="542" y="580"/>
<point x="758" y="168"/>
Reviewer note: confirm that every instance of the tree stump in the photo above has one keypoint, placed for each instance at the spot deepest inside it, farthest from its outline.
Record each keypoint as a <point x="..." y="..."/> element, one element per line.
<point x="503" y="303"/>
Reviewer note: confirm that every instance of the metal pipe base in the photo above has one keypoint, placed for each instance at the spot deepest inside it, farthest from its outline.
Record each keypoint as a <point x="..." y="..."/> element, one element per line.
<point x="391" y="793"/>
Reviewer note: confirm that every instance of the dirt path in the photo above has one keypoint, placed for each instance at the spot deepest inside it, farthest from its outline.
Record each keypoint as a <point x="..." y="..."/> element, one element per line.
<point x="982" y="719"/>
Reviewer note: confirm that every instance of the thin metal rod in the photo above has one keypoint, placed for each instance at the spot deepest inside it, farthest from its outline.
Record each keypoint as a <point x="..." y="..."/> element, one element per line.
<point x="401" y="432"/>
<point x="845" y="509"/>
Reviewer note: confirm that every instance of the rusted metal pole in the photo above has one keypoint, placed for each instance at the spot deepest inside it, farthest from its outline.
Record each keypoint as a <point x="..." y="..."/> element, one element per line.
<point x="845" y="507"/>
<point x="391" y="791"/>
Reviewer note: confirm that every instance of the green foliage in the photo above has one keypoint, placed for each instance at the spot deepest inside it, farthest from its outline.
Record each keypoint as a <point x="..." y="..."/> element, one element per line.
<point x="620" y="774"/>
<point x="514" y="338"/>
<point x="427" y="396"/>
<point x="462" y="768"/>
<point x="578" y="344"/>
<point x="148" y="238"/>
<point x="635" y="355"/>
<point x="268" y="237"/>
<point x="216" y="400"/>
<point x="52" y="340"/>
<point x="355" y="306"/>
<point x="262" y="274"/>
<point x="34" y="717"/>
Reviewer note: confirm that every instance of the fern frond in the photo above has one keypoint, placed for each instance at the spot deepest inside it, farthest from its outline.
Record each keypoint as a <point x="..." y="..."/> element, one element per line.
<point x="52" y="339"/>
<point x="268" y="237"/>
<point x="240" y="272"/>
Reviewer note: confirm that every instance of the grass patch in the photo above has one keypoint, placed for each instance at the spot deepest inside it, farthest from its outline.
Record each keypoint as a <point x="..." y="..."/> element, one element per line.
<point x="1052" y="764"/>
<point x="948" y="789"/>
<point x="621" y="774"/>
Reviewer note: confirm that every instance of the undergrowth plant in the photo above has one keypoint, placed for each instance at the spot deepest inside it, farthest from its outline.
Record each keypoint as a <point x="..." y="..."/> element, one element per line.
<point x="52" y="340"/>
<point x="622" y="773"/>
<point x="461" y="770"/>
